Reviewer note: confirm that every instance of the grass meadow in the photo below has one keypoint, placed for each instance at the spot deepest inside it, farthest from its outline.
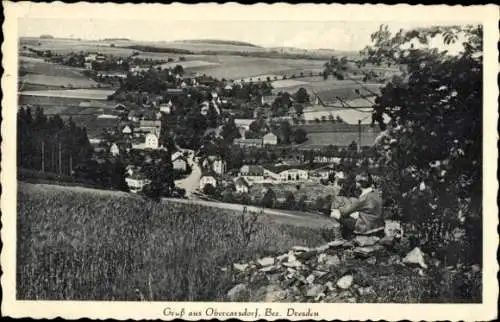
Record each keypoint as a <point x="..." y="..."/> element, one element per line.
<point x="83" y="244"/>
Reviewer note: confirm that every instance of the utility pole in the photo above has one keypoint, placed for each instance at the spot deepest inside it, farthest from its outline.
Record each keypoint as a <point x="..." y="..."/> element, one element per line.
<point x="43" y="156"/>
<point x="359" y="136"/>
<point x="70" y="163"/>
<point x="60" y="159"/>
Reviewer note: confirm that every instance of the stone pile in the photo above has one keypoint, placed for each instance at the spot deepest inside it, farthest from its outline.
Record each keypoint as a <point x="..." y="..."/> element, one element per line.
<point x="315" y="274"/>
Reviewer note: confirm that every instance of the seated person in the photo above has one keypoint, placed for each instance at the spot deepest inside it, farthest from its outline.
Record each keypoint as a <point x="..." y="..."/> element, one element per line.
<point x="364" y="215"/>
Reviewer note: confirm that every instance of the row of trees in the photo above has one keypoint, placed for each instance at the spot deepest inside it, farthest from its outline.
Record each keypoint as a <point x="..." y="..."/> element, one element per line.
<point x="50" y="145"/>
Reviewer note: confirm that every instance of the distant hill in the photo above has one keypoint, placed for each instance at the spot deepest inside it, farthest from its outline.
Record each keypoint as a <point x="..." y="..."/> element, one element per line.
<point x="218" y="42"/>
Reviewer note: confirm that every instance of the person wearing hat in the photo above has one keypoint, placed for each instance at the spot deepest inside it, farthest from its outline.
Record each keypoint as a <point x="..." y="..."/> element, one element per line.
<point x="364" y="215"/>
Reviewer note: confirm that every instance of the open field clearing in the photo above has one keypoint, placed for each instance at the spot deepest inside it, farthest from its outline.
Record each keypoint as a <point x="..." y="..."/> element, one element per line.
<point x="315" y="140"/>
<point x="64" y="46"/>
<point x="286" y="83"/>
<point x="63" y="101"/>
<point x="350" y="116"/>
<point x="238" y="67"/>
<point x="82" y="244"/>
<point x="32" y="65"/>
<point x="189" y="64"/>
<point x="91" y="94"/>
<point x="61" y="81"/>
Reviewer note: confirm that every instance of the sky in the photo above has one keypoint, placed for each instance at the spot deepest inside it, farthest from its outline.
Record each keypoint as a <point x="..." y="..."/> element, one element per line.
<point x="302" y="34"/>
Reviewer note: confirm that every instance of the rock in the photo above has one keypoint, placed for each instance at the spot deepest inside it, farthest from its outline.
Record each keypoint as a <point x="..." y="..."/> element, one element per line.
<point x="314" y="290"/>
<point x="351" y="300"/>
<point x="274" y="278"/>
<point x="475" y="268"/>
<point x="322" y="248"/>
<point x="336" y="243"/>
<point x="269" y="269"/>
<point x="387" y="241"/>
<point x="393" y="228"/>
<point x="275" y="296"/>
<point x="415" y="257"/>
<point x="281" y="258"/>
<point x="238" y="293"/>
<point x="329" y="286"/>
<point x="294" y="264"/>
<point x="332" y="260"/>
<point x="240" y="267"/>
<point x="306" y="255"/>
<point x="321" y="258"/>
<point x="300" y="249"/>
<point x="394" y="260"/>
<point x="266" y="261"/>
<point x="366" y="240"/>
<point x="310" y="279"/>
<point x="318" y="273"/>
<point x="224" y="269"/>
<point x="372" y="260"/>
<point x="345" y="282"/>
<point x="363" y="291"/>
<point x="367" y="251"/>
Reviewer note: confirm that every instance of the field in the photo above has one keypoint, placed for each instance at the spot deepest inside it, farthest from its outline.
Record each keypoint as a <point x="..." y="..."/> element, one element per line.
<point x="341" y="139"/>
<point x="60" y="81"/>
<point x="84" y="94"/>
<point x="37" y="72"/>
<point x="82" y="244"/>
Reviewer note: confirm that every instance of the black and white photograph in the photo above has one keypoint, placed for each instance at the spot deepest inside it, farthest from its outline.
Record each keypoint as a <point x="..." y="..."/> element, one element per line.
<point x="160" y="158"/>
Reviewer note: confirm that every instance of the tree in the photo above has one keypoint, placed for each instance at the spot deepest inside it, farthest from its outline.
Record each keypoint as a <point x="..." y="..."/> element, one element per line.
<point x="301" y="204"/>
<point x="431" y="154"/>
<point x="290" y="201"/>
<point x="178" y="69"/>
<point x="302" y="96"/>
<point x="209" y="190"/>
<point x="299" y="136"/>
<point x="269" y="199"/>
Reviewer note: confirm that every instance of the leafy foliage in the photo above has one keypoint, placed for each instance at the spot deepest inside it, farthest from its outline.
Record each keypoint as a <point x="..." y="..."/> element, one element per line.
<point x="431" y="152"/>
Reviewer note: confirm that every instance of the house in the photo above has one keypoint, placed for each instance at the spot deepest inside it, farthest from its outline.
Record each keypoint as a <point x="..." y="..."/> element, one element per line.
<point x="136" y="182"/>
<point x="166" y="108"/>
<point x="252" y="172"/>
<point x="179" y="162"/>
<point x="270" y="139"/>
<point x="241" y="185"/>
<point x="293" y="175"/>
<point x="127" y="130"/>
<point x="214" y="163"/>
<point x="152" y="141"/>
<point x="207" y="179"/>
<point x="118" y="148"/>
<point x="151" y="126"/>
<point x="248" y="142"/>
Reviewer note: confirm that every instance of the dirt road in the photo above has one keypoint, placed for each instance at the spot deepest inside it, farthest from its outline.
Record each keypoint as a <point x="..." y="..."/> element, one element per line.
<point x="270" y="215"/>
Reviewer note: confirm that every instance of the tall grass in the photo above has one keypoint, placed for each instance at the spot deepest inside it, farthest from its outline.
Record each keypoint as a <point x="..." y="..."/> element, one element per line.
<point x="79" y="245"/>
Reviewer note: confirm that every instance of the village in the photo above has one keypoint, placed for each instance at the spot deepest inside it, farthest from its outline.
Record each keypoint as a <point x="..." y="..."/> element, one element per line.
<point x="292" y="144"/>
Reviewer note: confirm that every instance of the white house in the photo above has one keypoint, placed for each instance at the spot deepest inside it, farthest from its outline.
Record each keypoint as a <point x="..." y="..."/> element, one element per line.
<point x="293" y="175"/>
<point x="270" y="139"/>
<point x="252" y="172"/>
<point x="179" y="162"/>
<point x="114" y="150"/>
<point x="136" y="183"/>
<point x="151" y="141"/>
<point x="207" y="179"/>
<point x="215" y="163"/>
<point x="241" y="185"/>
<point x="127" y="130"/>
